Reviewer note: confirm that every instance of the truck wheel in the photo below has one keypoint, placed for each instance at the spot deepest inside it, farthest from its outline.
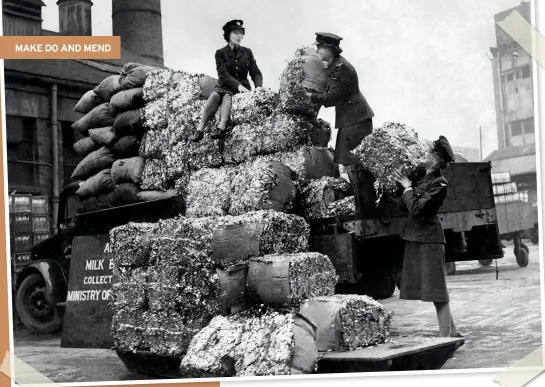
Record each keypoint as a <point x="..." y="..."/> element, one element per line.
<point x="534" y="239"/>
<point x="523" y="246"/>
<point x="522" y="256"/>
<point x="34" y="311"/>
<point x="485" y="262"/>
<point x="450" y="268"/>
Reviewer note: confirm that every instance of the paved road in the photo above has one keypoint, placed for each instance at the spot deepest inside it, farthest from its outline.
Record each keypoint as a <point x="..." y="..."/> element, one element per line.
<point x="501" y="319"/>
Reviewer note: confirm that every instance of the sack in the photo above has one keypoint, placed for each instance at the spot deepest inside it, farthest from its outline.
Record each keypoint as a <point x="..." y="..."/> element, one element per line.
<point x="288" y="279"/>
<point x="148" y="196"/>
<point x="108" y="87"/>
<point x="126" y="147"/>
<point x="102" y="115"/>
<point x="128" y="170"/>
<point x="84" y="146"/>
<point x="207" y="85"/>
<point x="124" y="194"/>
<point x="99" y="183"/>
<point x="88" y="102"/>
<point x="103" y="136"/>
<point x="94" y="162"/>
<point x="128" y="100"/>
<point x="134" y="75"/>
<point x="127" y="123"/>
<point x="233" y="287"/>
<point x="305" y="354"/>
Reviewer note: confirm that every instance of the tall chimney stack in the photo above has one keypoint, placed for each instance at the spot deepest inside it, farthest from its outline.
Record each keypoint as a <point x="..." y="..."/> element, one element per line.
<point x="75" y="17"/>
<point x="138" y="23"/>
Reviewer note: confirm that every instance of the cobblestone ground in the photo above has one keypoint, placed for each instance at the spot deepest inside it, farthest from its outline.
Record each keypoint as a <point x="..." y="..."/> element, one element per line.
<point x="501" y="319"/>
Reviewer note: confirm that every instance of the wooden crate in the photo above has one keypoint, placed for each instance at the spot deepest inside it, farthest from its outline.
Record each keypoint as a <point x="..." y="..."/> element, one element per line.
<point x="20" y="260"/>
<point x="21" y="222"/>
<point x="40" y="205"/>
<point x="40" y="223"/>
<point x="21" y="203"/>
<point x="39" y="237"/>
<point x="21" y="242"/>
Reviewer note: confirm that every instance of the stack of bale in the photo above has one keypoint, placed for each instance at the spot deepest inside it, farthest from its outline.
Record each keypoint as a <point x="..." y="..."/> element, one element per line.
<point x="112" y="126"/>
<point x="221" y="286"/>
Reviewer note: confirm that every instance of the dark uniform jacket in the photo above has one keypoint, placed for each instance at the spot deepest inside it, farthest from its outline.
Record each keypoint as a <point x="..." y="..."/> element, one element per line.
<point x="343" y="92"/>
<point x="423" y="203"/>
<point x="233" y="68"/>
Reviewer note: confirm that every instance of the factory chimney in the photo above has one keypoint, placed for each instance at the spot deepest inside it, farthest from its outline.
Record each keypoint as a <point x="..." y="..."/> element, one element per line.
<point x="75" y="17"/>
<point x="138" y="23"/>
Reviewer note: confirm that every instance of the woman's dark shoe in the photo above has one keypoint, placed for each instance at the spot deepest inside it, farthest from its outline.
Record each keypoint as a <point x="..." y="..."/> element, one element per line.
<point x="198" y="136"/>
<point x="217" y="134"/>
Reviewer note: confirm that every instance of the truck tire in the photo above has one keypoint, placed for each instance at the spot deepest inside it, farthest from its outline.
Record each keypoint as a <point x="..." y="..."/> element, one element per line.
<point x="450" y="268"/>
<point x="534" y="239"/>
<point x="522" y="256"/>
<point x="33" y="309"/>
<point x="523" y="246"/>
<point x="485" y="262"/>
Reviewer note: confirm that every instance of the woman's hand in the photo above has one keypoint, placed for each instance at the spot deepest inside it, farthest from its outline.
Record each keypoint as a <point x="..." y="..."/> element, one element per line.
<point x="402" y="179"/>
<point x="242" y="89"/>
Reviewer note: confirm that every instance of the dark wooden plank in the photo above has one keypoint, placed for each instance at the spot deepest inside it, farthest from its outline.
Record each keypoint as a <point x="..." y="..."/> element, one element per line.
<point x="401" y="346"/>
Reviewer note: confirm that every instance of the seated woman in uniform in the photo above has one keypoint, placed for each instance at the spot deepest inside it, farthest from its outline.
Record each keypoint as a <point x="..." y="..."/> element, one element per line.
<point x="233" y="63"/>
<point x="423" y="274"/>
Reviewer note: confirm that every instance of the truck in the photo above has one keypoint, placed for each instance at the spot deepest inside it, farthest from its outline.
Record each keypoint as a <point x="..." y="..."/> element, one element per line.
<point x="365" y="248"/>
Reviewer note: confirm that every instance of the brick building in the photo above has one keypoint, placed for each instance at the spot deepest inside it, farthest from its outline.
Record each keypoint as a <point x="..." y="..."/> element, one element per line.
<point x="41" y="94"/>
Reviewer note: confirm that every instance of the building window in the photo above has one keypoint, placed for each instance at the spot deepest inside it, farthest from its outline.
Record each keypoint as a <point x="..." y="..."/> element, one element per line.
<point x="70" y="157"/>
<point x="526" y="72"/>
<point x="516" y="128"/>
<point x="509" y="77"/>
<point x="22" y="152"/>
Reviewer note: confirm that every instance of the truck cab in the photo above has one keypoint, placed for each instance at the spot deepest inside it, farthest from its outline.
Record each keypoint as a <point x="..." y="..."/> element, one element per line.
<point x="41" y="287"/>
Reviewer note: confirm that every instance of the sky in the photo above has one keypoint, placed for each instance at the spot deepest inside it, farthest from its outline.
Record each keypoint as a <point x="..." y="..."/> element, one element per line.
<point x="424" y="63"/>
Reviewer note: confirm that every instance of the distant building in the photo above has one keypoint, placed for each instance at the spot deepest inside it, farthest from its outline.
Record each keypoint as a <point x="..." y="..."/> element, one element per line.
<point x="514" y="95"/>
<point x="513" y="86"/>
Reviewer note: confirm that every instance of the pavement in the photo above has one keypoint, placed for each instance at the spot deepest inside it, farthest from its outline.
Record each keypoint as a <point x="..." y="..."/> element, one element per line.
<point x="501" y="320"/>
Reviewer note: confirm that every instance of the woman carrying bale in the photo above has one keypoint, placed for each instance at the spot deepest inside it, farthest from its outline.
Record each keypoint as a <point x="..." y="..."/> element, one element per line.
<point x="233" y="63"/>
<point x="423" y="274"/>
<point x="353" y="115"/>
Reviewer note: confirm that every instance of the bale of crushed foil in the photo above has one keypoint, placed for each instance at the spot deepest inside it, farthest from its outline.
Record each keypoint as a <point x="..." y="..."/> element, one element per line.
<point x="155" y="176"/>
<point x="253" y="107"/>
<point x="177" y="161"/>
<point x="292" y="92"/>
<point x="347" y="322"/>
<point x="183" y="279"/>
<point x="390" y="148"/>
<point x="157" y="84"/>
<point x="252" y="343"/>
<point x="237" y="238"/>
<point x="261" y="185"/>
<point x="203" y="154"/>
<point x="307" y="162"/>
<point x="342" y="207"/>
<point x="318" y="195"/>
<point x="130" y="244"/>
<point x="277" y="133"/>
<point x="155" y="114"/>
<point x="155" y="144"/>
<point x="129" y="289"/>
<point x="188" y="117"/>
<point x="288" y="279"/>
<point x="209" y="192"/>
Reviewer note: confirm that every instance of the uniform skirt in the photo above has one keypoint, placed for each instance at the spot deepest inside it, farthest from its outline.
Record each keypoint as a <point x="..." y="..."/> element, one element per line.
<point x="348" y="138"/>
<point x="223" y="90"/>
<point x="423" y="274"/>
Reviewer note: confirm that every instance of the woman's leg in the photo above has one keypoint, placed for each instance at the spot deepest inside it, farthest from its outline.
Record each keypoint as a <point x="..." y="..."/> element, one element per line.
<point x="210" y="108"/>
<point x="225" y="114"/>
<point x="444" y="316"/>
<point x="226" y="105"/>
